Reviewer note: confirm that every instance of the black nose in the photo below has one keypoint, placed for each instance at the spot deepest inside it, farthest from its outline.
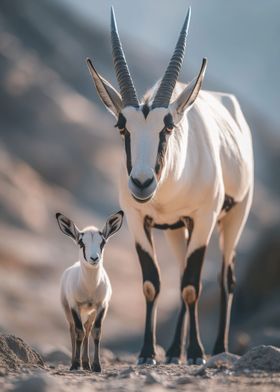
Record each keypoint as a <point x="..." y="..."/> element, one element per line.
<point x="142" y="185"/>
<point x="94" y="259"/>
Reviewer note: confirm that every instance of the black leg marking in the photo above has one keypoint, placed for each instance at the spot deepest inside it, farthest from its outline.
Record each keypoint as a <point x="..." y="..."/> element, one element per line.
<point x="79" y="335"/>
<point x="77" y="320"/>
<point x="183" y="222"/>
<point x="227" y="284"/>
<point x="96" y="366"/>
<point x="151" y="284"/>
<point x="174" y="353"/>
<point x="148" y="224"/>
<point x="191" y="287"/>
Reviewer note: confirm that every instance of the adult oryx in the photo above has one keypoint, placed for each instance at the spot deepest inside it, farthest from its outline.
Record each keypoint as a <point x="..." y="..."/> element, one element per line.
<point x="188" y="166"/>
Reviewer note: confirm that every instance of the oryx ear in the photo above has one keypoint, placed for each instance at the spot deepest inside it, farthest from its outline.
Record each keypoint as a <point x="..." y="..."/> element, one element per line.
<point x="113" y="224"/>
<point x="189" y="94"/>
<point x="108" y="95"/>
<point x="67" y="226"/>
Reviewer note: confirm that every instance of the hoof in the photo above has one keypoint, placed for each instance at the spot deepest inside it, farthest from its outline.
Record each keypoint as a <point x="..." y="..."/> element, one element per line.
<point x="196" y="361"/>
<point x="86" y="366"/>
<point x="95" y="367"/>
<point x="172" y="361"/>
<point x="146" y="361"/>
<point x="75" y="366"/>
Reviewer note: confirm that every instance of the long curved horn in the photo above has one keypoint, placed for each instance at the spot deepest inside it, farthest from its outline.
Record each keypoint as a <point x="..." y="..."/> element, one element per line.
<point x="170" y="77"/>
<point x="127" y="89"/>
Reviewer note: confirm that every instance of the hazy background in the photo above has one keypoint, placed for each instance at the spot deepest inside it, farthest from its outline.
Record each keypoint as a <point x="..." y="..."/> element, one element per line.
<point x="56" y="140"/>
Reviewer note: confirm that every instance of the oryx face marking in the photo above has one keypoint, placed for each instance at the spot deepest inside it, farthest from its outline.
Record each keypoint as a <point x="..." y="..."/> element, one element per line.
<point x="146" y="135"/>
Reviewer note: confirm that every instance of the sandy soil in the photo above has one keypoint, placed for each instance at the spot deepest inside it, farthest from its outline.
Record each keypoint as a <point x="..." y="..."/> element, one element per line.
<point x="123" y="376"/>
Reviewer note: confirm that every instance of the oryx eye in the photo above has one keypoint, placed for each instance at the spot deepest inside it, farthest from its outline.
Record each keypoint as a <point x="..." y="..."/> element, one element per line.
<point x="121" y="124"/>
<point x="168" y="122"/>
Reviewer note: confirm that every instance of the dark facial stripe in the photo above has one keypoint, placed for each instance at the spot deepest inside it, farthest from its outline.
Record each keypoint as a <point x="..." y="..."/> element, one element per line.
<point x="163" y="139"/>
<point x="82" y="246"/>
<point x="121" y="124"/>
<point x="103" y="242"/>
<point x="127" y="151"/>
<point x="162" y="146"/>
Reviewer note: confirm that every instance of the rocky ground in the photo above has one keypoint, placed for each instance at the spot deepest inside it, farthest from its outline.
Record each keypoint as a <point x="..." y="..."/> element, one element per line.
<point x="24" y="370"/>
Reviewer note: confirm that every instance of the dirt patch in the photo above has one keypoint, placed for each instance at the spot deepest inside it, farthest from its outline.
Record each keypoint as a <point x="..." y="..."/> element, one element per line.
<point x="260" y="358"/>
<point x="15" y="353"/>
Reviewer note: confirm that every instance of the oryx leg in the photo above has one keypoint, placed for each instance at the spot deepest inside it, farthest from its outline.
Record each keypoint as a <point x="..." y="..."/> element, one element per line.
<point x="96" y="334"/>
<point x="79" y="337"/>
<point x="178" y="242"/>
<point x="191" y="280"/>
<point x="151" y="282"/>
<point x="230" y="226"/>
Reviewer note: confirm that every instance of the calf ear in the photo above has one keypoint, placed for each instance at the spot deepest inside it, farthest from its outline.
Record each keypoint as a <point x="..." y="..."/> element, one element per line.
<point x="108" y="95"/>
<point x="113" y="224"/>
<point x="189" y="94"/>
<point x="67" y="226"/>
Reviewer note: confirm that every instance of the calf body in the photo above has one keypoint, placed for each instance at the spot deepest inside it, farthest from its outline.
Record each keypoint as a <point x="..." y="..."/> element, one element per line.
<point x="86" y="289"/>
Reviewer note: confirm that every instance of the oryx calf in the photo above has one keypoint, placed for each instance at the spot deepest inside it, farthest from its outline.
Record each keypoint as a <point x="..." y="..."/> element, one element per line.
<point x="86" y="288"/>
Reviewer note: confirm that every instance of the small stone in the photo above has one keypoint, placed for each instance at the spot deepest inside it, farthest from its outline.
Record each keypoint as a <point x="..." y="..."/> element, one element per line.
<point x="160" y="353"/>
<point x="36" y="383"/>
<point x="127" y="373"/>
<point x="3" y="372"/>
<point x="185" y="380"/>
<point x="107" y="355"/>
<point x="153" y="378"/>
<point x="56" y="357"/>
<point x="222" y="360"/>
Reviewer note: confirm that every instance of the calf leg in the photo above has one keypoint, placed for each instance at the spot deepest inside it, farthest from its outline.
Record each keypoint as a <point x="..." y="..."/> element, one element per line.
<point x="85" y="355"/>
<point x="191" y="281"/>
<point x="79" y="337"/>
<point x="70" y="320"/>
<point x="231" y="227"/>
<point x="96" y="334"/>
